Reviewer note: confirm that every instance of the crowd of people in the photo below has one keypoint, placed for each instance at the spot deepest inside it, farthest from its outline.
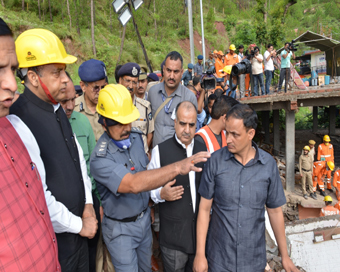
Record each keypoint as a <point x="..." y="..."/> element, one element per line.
<point x="260" y="75"/>
<point x="113" y="163"/>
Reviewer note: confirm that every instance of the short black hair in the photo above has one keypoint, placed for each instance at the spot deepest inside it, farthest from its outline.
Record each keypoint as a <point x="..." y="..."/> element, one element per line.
<point x="245" y="113"/>
<point x="68" y="75"/>
<point x="269" y="45"/>
<point x="116" y="72"/>
<point x="286" y="43"/>
<point x="256" y="48"/>
<point x="240" y="46"/>
<point x="196" y="80"/>
<point x="4" y="29"/>
<point x="212" y="97"/>
<point x="174" y="55"/>
<point x="222" y="105"/>
<point x="162" y="64"/>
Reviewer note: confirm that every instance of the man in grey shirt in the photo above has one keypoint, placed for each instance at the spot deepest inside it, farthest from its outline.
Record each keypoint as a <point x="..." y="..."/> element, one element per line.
<point x="239" y="182"/>
<point x="173" y="92"/>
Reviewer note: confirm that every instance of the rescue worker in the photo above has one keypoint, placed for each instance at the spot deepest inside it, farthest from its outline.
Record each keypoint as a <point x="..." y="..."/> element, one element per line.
<point x="326" y="153"/>
<point x="213" y="135"/>
<point x="117" y="164"/>
<point x="219" y="64"/>
<point x="329" y="209"/>
<point x="128" y="77"/>
<point x="231" y="58"/>
<point x="336" y="183"/>
<point x="93" y="78"/>
<point x="311" y="144"/>
<point x="320" y="169"/>
<point x="306" y="168"/>
<point x="187" y="75"/>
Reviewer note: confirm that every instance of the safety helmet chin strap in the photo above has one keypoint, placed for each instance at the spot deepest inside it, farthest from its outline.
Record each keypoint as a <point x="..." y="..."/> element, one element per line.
<point x="107" y="129"/>
<point x="47" y="92"/>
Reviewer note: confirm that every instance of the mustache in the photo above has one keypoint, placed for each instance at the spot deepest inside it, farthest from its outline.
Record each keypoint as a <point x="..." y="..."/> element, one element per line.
<point x="127" y="133"/>
<point x="130" y="89"/>
<point x="186" y="134"/>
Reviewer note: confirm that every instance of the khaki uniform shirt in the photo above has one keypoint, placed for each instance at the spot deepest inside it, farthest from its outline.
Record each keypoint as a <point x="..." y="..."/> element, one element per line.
<point x="305" y="162"/>
<point x="93" y="117"/>
<point x="145" y="121"/>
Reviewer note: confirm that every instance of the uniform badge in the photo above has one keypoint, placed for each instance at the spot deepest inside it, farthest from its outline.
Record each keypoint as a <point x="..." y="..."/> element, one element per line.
<point x="150" y="116"/>
<point x="134" y="71"/>
<point x="81" y="107"/>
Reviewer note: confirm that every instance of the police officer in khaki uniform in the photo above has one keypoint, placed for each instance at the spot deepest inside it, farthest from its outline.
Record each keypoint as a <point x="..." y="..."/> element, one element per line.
<point x="93" y="78"/>
<point x="306" y="171"/>
<point x="128" y="77"/>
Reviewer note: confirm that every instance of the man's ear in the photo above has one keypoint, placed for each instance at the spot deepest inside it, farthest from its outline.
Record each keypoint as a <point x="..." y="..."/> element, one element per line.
<point x="33" y="78"/>
<point x="251" y="133"/>
<point x="82" y="85"/>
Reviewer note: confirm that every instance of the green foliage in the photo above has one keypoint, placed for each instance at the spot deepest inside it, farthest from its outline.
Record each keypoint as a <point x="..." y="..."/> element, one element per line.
<point x="245" y="33"/>
<point x="230" y="22"/>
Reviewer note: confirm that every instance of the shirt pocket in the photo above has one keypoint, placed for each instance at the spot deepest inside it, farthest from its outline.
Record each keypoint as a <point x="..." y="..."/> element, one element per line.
<point x="82" y="139"/>
<point x="225" y="191"/>
<point x="258" y="193"/>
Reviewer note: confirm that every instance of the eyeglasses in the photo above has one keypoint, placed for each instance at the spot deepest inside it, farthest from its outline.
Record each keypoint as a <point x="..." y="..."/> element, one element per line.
<point x="97" y="88"/>
<point x="128" y="81"/>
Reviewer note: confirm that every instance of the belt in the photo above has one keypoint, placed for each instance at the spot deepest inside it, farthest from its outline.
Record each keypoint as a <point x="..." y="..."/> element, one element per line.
<point x="306" y="170"/>
<point x="129" y="219"/>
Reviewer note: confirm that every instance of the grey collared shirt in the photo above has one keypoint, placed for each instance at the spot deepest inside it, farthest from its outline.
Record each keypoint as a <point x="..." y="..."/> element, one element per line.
<point x="164" y="122"/>
<point x="236" y="236"/>
<point x="109" y="164"/>
<point x="198" y="69"/>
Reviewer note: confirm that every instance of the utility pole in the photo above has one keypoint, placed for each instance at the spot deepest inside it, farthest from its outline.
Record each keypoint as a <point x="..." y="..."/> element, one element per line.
<point x="202" y="26"/>
<point x="191" y="33"/>
<point x="140" y="39"/>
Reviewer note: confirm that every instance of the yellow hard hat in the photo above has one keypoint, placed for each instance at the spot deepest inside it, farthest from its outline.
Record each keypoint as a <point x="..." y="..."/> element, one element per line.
<point x="330" y="165"/>
<point x="326" y="138"/>
<point x="328" y="198"/>
<point x="227" y="69"/>
<point x="312" y="142"/>
<point x="115" y="102"/>
<point x="232" y="47"/>
<point x="307" y="148"/>
<point x="36" y="47"/>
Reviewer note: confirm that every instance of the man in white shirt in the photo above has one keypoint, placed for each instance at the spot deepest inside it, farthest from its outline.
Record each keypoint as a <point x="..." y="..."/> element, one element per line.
<point x="178" y="204"/>
<point x="269" y="65"/>
<point x="257" y="71"/>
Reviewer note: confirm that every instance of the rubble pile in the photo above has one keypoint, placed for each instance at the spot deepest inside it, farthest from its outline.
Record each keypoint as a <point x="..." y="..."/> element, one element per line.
<point x="274" y="264"/>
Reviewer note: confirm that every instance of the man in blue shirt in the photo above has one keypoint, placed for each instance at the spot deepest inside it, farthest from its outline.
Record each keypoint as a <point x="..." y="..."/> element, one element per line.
<point x="286" y="55"/>
<point x="198" y="68"/>
<point x="238" y="182"/>
<point x="187" y="75"/>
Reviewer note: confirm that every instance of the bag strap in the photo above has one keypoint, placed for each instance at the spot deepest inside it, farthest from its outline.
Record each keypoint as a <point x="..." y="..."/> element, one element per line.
<point x="161" y="106"/>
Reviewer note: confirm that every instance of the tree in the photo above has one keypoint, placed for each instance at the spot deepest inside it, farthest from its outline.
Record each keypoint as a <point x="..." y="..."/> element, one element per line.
<point x="23" y="5"/>
<point x="76" y="13"/>
<point x="92" y="29"/>
<point x="49" y="7"/>
<point x="39" y="10"/>
<point x="69" y="13"/>
<point x="2" y="3"/>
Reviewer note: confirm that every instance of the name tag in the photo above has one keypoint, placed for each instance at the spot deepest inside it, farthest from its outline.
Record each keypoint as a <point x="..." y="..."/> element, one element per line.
<point x="173" y="115"/>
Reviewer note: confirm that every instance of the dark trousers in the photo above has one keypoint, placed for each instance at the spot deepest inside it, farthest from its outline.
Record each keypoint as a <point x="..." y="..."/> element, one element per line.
<point x="269" y="76"/>
<point x="92" y="243"/>
<point x="258" y="80"/>
<point x="176" y="261"/>
<point x="79" y="261"/>
<point x="284" y="75"/>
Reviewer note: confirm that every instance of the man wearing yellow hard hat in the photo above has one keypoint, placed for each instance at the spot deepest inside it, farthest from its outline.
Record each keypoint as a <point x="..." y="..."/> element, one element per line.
<point x="326" y="153"/>
<point x="42" y="62"/>
<point x="231" y="58"/>
<point x="329" y="209"/>
<point x="118" y="164"/>
<point x="306" y="168"/>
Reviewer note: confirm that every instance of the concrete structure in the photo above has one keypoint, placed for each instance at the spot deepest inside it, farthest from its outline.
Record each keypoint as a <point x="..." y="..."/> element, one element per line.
<point x="313" y="244"/>
<point x="290" y="102"/>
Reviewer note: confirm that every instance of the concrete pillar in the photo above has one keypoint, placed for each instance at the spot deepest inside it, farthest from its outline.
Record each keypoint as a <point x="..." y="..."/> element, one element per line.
<point x="276" y="123"/>
<point x="265" y="123"/>
<point x="332" y="119"/>
<point x="315" y="119"/>
<point x="290" y="150"/>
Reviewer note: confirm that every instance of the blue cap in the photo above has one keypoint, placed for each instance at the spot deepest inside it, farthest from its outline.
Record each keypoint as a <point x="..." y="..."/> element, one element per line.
<point x="190" y="66"/>
<point x="219" y="80"/>
<point x="92" y="70"/>
<point x="200" y="57"/>
<point x="129" y="69"/>
<point x="153" y="76"/>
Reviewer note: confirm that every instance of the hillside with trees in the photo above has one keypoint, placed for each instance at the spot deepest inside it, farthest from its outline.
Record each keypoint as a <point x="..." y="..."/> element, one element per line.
<point x="90" y="29"/>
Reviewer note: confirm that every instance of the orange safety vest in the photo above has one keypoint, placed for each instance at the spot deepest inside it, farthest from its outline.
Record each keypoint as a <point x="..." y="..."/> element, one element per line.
<point x="337" y="205"/>
<point x="219" y="66"/>
<point x="329" y="210"/>
<point x="336" y="179"/>
<point x="230" y="59"/>
<point x="319" y="167"/>
<point x="325" y="152"/>
<point x="210" y="140"/>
